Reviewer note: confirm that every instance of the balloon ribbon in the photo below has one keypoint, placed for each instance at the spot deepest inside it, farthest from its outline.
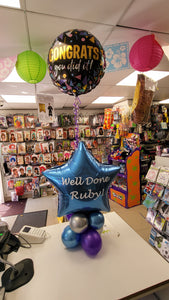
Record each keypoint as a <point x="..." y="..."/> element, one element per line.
<point x="76" y="104"/>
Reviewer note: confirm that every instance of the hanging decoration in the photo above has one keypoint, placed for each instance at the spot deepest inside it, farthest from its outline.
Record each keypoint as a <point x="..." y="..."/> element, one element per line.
<point x="76" y="104"/>
<point x="143" y="96"/>
<point x="76" y="62"/>
<point x="45" y="108"/>
<point x="7" y="64"/>
<point x="145" y="54"/>
<point x="83" y="185"/>
<point x="31" y="67"/>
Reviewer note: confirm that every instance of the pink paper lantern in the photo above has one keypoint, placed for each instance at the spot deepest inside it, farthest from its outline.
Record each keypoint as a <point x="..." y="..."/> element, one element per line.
<point x="6" y="66"/>
<point x="145" y="54"/>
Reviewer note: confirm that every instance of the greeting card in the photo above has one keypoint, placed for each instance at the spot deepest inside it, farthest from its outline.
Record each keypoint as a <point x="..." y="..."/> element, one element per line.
<point x="151" y="215"/>
<point x="44" y="147"/>
<point x="87" y="132"/>
<point x="43" y="191"/>
<point x="33" y="135"/>
<point x="165" y="197"/>
<point x="29" y="121"/>
<point x="39" y="135"/>
<point x="20" y="160"/>
<point x="54" y="157"/>
<point x="53" y="134"/>
<point x="29" y="147"/>
<point x="42" y="168"/>
<point x="35" y="182"/>
<point x="51" y="147"/>
<point x="149" y="187"/>
<point x="27" y="135"/>
<point x="67" y="155"/>
<point x="158" y="190"/>
<point x="36" y="192"/>
<point x="159" y="222"/>
<point x="12" y="160"/>
<point x="36" y="171"/>
<point x="72" y="145"/>
<point x="19" y="136"/>
<point x="152" y="174"/>
<point x="3" y="136"/>
<point x="93" y="132"/>
<point x="10" y="184"/>
<point x="47" y="158"/>
<point x="3" y="122"/>
<point x="19" y="121"/>
<point x="59" y="133"/>
<point x="66" y="145"/>
<point x="28" y="185"/>
<point x="164" y="210"/>
<point x="12" y="136"/>
<point x="41" y="158"/>
<point x="27" y="159"/>
<point x="167" y="228"/>
<point x="22" y="171"/>
<point x="99" y="131"/>
<point x="59" y="146"/>
<point x="5" y="149"/>
<point x="46" y="134"/>
<point x="34" y="159"/>
<point x="64" y="133"/>
<point x="37" y="147"/>
<point x="21" y="148"/>
<point x="9" y="120"/>
<point x="163" y="176"/>
<point x="14" y="172"/>
<point x="150" y="201"/>
<point x="12" y="148"/>
<point x="29" y="171"/>
<point x="60" y="156"/>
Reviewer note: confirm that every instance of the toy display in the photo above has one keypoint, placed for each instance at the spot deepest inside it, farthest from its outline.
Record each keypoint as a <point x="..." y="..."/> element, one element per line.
<point x="125" y="189"/>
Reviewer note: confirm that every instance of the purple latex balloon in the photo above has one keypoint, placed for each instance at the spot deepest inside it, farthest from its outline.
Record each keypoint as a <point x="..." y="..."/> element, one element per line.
<point x="91" y="242"/>
<point x="69" y="216"/>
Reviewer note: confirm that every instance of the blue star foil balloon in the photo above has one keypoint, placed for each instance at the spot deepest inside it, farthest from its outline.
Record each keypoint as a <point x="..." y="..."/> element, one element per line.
<point x="82" y="183"/>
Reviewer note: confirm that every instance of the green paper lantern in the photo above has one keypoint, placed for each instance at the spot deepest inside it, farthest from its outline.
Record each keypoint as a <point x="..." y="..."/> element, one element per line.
<point x="30" y="66"/>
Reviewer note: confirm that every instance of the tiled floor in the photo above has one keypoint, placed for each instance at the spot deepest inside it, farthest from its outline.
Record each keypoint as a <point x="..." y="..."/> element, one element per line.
<point x="134" y="217"/>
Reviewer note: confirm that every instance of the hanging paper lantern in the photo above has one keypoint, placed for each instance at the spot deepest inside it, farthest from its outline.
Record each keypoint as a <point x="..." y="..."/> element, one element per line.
<point x="30" y="66"/>
<point x="6" y="66"/>
<point x="76" y="62"/>
<point x="145" y="54"/>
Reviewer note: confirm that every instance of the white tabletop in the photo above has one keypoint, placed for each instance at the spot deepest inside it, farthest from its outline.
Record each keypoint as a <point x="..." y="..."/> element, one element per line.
<point x="125" y="265"/>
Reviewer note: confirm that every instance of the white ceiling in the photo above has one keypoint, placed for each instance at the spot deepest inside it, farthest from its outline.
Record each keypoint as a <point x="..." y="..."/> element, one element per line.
<point x="110" y="21"/>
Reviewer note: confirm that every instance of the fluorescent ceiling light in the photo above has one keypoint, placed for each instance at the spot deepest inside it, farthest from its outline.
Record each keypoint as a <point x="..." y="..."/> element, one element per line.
<point x="13" y="77"/>
<point x="106" y="100"/>
<point x="164" y="101"/>
<point x="19" y="99"/>
<point x="131" y="80"/>
<point x="11" y="3"/>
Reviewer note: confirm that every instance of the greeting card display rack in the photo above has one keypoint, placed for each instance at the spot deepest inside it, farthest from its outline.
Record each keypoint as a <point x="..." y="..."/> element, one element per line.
<point x="125" y="189"/>
<point x="157" y="203"/>
<point x="29" y="147"/>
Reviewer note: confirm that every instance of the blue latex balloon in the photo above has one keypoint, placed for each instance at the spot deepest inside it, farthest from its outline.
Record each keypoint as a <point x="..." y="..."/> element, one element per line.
<point x="96" y="220"/>
<point x="69" y="238"/>
<point x="82" y="182"/>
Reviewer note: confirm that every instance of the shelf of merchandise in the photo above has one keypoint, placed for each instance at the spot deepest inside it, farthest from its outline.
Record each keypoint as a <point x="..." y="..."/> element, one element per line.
<point x="157" y="204"/>
<point x="56" y="141"/>
<point x="131" y="195"/>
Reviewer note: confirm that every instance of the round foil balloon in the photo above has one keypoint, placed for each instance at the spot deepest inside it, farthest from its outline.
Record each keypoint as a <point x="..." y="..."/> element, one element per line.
<point x="76" y="62"/>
